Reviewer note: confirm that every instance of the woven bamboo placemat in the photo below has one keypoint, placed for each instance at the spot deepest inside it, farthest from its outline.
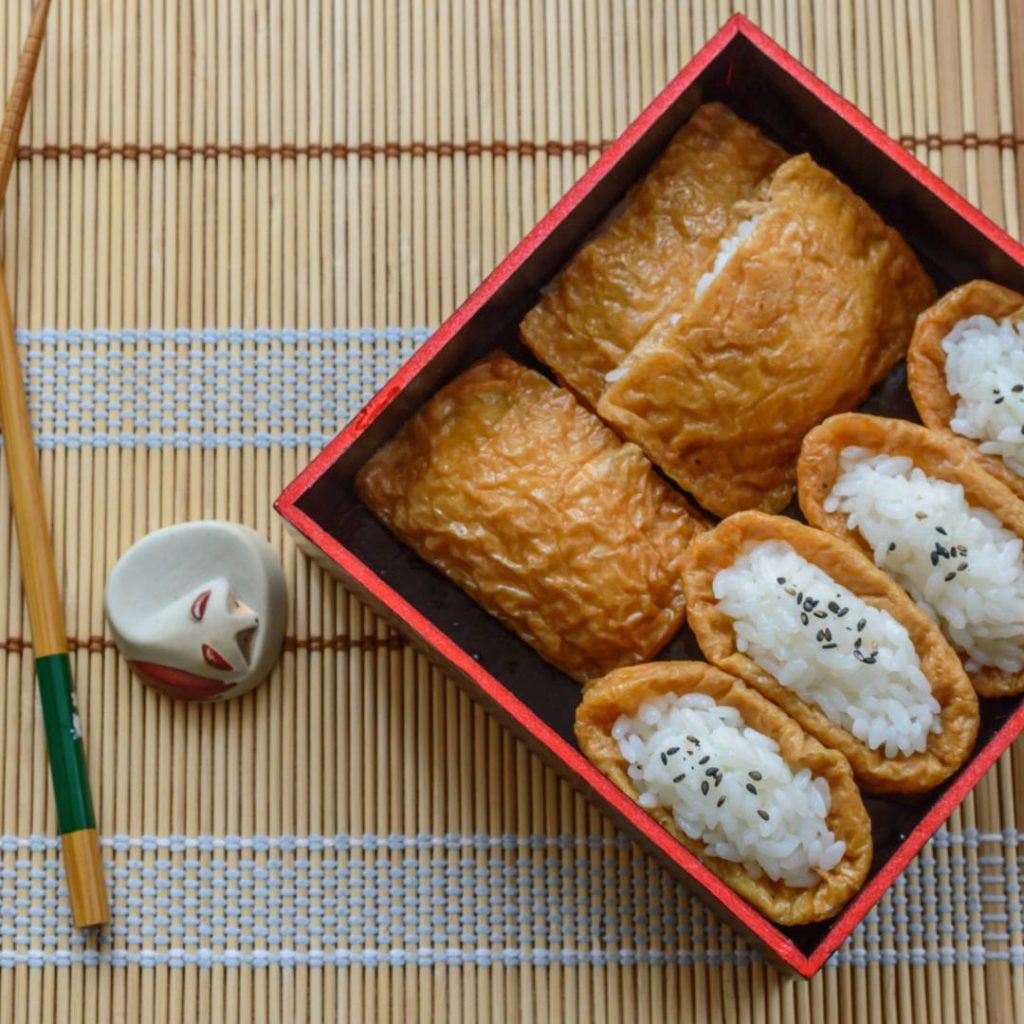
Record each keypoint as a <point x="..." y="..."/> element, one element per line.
<point x="231" y="220"/>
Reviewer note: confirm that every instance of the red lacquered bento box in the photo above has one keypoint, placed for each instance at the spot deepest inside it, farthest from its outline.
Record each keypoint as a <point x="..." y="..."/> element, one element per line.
<point x="765" y="85"/>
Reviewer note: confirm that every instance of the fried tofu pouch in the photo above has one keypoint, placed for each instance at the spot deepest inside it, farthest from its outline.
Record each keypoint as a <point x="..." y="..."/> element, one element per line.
<point x="938" y="455"/>
<point x="623" y="691"/>
<point x="647" y="263"/>
<point x="914" y="773"/>
<point x="926" y="362"/>
<point x="815" y="306"/>
<point x="524" y="498"/>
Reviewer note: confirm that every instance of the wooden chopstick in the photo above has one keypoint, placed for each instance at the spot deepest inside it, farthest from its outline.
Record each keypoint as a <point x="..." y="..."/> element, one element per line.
<point x="75" y="815"/>
<point x="17" y="101"/>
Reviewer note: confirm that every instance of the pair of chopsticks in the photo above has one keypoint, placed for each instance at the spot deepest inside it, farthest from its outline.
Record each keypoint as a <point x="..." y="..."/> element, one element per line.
<point x="75" y="817"/>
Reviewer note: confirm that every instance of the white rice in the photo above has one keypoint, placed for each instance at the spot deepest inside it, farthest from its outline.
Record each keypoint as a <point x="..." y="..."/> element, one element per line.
<point x="727" y="786"/>
<point x="726" y="248"/>
<point x="959" y="563"/>
<point x="818" y="639"/>
<point x="985" y="370"/>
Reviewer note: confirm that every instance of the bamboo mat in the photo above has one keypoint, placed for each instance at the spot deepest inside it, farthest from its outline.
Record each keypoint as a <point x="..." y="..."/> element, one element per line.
<point x="231" y="220"/>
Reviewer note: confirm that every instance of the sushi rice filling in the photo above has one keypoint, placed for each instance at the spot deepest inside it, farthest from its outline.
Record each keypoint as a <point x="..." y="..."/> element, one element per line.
<point x="853" y="661"/>
<point x="726" y="250"/>
<point x="728" y="786"/>
<point x="985" y="370"/>
<point x="960" y="564"/>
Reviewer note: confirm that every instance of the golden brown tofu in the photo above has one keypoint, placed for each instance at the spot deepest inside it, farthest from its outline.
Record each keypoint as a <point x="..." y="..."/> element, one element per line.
<point x="525" y="499"/>
<point x="926" y="363"/>
<point x="814" y="306"/>
<point x="623" y="693"/>
<point x="647" y="263"/>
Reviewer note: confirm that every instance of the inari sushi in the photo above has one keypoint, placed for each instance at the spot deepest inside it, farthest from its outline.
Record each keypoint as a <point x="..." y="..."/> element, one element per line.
<point x="527" y="501"/>
<point x="811" y="623"/>
<point x="965" y="369"/>
<point x="808" y="305"/>
<point x="949" y="533"/>
<point x="652" y="255"/>
<point x="736" y="780"/>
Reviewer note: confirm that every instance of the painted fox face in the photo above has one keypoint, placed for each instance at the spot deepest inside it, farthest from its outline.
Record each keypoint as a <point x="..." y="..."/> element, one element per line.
<point x="198" y="610"/>
<point x="201" y="643"/>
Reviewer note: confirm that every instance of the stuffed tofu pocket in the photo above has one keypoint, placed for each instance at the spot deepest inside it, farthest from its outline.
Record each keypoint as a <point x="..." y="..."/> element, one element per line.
<point x="736" y="780"/>
<point x="947" y="531"/>
<point x="527" y="501"/>
<point x="965" y="369"/>
<point x="813" y="303"/>
<point x="810" y="622"/>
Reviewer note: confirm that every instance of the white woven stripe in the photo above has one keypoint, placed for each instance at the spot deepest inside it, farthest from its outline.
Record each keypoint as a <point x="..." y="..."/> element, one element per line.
<point x="462" y="899"/>
<point x="207" y="388"/>
<point x="212" y="335"/>
<point x="969" y="838"/>
<point x="946" y="956"/>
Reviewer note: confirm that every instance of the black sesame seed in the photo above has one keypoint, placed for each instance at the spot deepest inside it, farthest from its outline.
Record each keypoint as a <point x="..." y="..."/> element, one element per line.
<point x="763" y="815"/>
<point x="811" y="603"/>
<point x="999" y="400"/>
<point x="828" y="633"/>
<point x="961" y="567"/>
<point x="803" y="618"/>
<point x="712" y="772"/>
<point x="950" y="576"/>
<point x="1022" y="429"/>
<point x="942" y="530"/>
<point x="756" y="776"/>
<point x="704" y="787"/>
<point x="721" y="800"/>
<point x="704" y="759"/>
<point x="856" y="644"/>
<point x="800" y="597"/>
<point x="751" y="788"/>
<point x="861" y="624"/>
<point x="833" y="607"/>
<point x="844" y="611"/>
<point x="718" y="780"/>
<point x="694" y="740"/>
<point x="857" y="653"/>
<point x="1017" y="388"/>
<point x="664" y="757"/>
<point x="935" y="558"/>
<point x="821" y="635"/>
<point x="892" y="545"/>
<point x="819" y="614"/>
<point x="780" y="580"/>
<point x="672" y="751"/>
<point x="827" y="647"/>
<point x="680" y="777"/>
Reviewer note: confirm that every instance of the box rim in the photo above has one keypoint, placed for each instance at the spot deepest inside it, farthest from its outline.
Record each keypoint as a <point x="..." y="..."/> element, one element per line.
<point x="287" y="506"/>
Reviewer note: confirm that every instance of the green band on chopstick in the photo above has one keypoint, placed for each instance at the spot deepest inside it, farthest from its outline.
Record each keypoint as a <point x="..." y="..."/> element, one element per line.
<point x="64" y="740"/>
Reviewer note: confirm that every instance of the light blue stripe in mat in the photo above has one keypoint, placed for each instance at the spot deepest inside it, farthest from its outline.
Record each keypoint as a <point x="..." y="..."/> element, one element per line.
<point x="464" y="899"/>
<point x="207" y="388"/>
<point x="214" y="335"/>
